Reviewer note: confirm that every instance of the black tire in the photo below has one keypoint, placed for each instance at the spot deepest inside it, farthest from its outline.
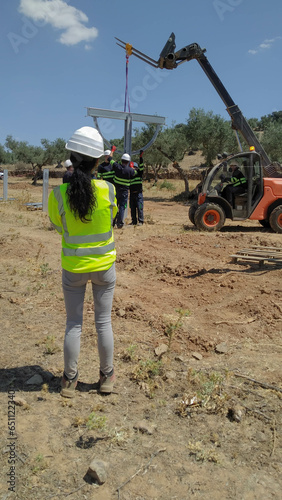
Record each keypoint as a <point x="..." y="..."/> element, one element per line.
<point x="275" y="219"/>
<point x="209" y="217"/>
<point x="192" y="211"/>
<point x="264" y="223"/>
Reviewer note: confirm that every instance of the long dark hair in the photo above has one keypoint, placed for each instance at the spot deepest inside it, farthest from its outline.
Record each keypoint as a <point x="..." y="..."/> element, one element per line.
<point x="80" y="191"/>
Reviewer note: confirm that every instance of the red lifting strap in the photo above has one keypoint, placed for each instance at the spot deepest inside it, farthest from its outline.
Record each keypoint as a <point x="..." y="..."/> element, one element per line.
<point x="126" y="98"/>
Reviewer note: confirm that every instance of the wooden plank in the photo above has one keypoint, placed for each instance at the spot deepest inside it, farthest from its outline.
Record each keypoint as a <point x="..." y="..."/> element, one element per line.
<point x="256" y="258"/>
<point x="261" y="254"/>
<point x="267" y="248"/>
<point x="260" y="251"/>
<point x="247" y="257"/>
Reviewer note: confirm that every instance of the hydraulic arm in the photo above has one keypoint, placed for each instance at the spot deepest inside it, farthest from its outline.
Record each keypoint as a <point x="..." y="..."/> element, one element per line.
<point x="169" y="59"/>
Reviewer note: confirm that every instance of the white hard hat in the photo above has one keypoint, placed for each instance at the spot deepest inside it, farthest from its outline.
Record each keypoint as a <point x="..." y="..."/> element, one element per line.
<point x="87" y="141"/>
<point x="126" y="157"/>
<point x="107" y="152"/>
<point x="68" y="163"/>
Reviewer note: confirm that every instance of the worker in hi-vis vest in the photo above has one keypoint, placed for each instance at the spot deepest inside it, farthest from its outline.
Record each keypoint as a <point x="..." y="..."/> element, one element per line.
<point x="82" y="211"/>
<point x="122" y="178"/>
<point x="136" y="194"/>
<point x="105" y="169"/>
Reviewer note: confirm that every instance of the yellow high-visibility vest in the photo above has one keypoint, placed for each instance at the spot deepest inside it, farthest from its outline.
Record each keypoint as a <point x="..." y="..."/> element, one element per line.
<point x="86" y="246"/>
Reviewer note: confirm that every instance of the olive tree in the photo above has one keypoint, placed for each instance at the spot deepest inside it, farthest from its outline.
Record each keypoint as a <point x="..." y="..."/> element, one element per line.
<point x="209" y="132"/>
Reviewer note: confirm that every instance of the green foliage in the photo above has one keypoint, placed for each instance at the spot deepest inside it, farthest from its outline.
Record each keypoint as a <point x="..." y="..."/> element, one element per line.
<point x="44" y="269"/>
<point x="207" y="385"/>
<point x="254" y="123"/>
<point x="95" y="421"/>
<point x="37" y="156"/>
<point x="272" y="141"/>
<point x="147" y="369"/>
<point x="209" y="132"/>
<point x="50" y="345"/>
<point x="40" y="464"/>
<point x="167" y="185"/>
<point x="204" y="130"/>
<point x="174" y="325"/>
<point x="5" y="156"/>
<point x="130" y="353"/>
<point x="202" y="453"/>
<point x="273" y="118"/>
<point x="174" y="142"/>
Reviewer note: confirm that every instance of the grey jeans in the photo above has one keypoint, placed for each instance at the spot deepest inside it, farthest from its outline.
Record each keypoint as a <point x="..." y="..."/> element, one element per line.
<point x="74" y="286"/>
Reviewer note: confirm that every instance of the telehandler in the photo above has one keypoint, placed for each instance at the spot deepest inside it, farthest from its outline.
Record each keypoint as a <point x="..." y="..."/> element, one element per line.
<point x="261" y="198"/>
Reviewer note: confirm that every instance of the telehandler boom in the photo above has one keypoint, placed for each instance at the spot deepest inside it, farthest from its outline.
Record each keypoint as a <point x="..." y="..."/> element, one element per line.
<point x="261" y="197"/>
<point x="169" y="59"/>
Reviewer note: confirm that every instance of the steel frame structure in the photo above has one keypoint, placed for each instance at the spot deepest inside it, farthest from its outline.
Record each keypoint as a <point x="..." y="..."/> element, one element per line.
<point x="128" y="119"/>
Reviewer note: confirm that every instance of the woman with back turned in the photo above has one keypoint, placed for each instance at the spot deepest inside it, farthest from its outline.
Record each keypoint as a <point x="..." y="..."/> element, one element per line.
<point x="82" y="211"/>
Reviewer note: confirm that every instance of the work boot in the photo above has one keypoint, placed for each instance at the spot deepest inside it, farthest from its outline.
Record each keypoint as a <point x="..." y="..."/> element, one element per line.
<point x="68" y="386"/>
<point x="107" y="382"/>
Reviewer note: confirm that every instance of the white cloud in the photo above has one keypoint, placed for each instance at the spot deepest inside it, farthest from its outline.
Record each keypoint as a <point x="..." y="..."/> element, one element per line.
<point x="61" y="16"/>
<point x="266" y="44"/>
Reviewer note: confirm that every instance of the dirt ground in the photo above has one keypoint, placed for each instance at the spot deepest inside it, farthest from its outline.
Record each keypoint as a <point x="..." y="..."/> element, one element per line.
<point x="196" y="410"/>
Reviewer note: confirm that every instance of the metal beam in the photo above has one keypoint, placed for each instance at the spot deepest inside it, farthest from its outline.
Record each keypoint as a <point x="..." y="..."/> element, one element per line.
<point x="123" y="115"/>
<point x="128" y="118"/>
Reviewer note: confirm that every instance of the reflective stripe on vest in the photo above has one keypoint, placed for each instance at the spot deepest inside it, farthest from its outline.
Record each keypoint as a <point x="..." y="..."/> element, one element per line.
<point x="82" y="252"/>
<point x="58" y="228"/>
<point x="88" y="238"/>
<point x="106" y="175"/>
<point x="237" y="182"/>
<point x="119" y="182"/>
<point x="135" y="181"/>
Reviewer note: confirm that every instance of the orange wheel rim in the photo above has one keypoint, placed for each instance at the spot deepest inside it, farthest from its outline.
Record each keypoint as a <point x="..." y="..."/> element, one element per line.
<point x="212" y="218"/>
<point x="279" y="220"/>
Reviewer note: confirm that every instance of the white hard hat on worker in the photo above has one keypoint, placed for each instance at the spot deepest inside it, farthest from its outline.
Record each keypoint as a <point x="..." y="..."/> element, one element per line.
<point x="68" y="163"/>
<point x="86" y="141"/>
<point x="126" y="157"/>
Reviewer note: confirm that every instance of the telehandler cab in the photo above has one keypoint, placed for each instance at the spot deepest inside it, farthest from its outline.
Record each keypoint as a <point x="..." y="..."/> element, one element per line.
<point x="261" y="198"/>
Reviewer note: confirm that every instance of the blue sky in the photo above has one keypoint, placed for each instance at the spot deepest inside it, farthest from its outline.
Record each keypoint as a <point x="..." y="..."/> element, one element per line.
<point x="60" y="57"/>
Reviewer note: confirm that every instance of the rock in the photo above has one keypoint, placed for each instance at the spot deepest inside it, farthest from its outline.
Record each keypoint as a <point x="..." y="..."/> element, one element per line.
<point x="169" y="375"/>
<point x="197" y="355"/>
<point x="35" y="380"/>
<point x="161" y="349"/>
<point x="235" y="413"/>
<point x="221" y="348"/>
<point x="121" y="313"/>
<point x="179" y="358"/>
<point x="97" y="470"/>
<point x="145" y="427"/>
<point x="261" y="437"/>
<point x="19" y="401"/>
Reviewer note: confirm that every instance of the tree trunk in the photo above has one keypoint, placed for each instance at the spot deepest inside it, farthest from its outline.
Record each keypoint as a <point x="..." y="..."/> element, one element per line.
<point x="183" y="176"/>
<point x="38" y="174"/>
<point x="156" y="170"/>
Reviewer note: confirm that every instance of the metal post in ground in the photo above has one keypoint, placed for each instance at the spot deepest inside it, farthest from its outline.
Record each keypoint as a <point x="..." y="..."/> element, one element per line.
<point x="45" y="190"/>
<point x="5" y="185"/>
